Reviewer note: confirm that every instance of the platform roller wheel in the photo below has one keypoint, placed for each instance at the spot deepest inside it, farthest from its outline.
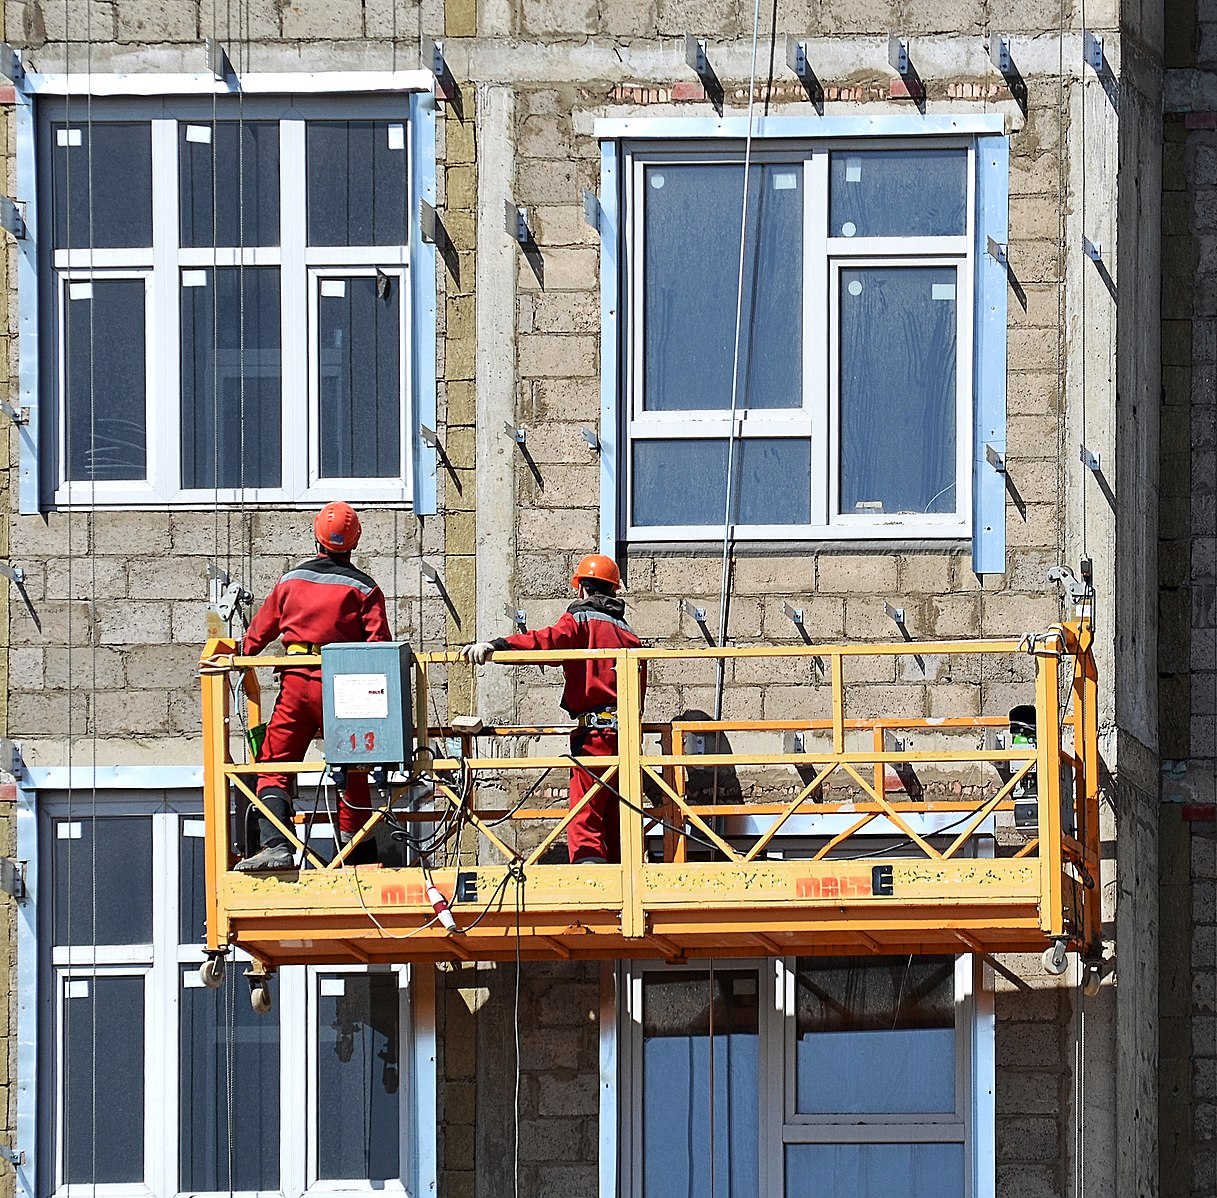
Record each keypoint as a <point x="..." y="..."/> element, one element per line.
<point x="259" y="993"/>
<point x="211" y="972"/>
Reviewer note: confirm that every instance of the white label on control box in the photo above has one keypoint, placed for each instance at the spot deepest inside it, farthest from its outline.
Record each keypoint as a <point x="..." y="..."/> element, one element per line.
<point x="361" y="696"/>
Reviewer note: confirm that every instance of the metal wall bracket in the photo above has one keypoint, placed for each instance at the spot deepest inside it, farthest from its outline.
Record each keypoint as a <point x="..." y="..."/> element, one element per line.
<point x="1092" y="49"/>
<point x="429" y="437"/>
<point x="695" y="613"/>
<point x="997" y="251"/>
<point x="516" y="223"/>
<point x="796" y="58"/>
<point x="428" y="222"/>
<point x="11" y="217"/>
<point x="999" y="54"/>
<point x="13" y="1155"/>
<point x="695" y="55"/>
<point x="12" y="573"/>
<point x="1094" y="249"/>
<point x="518" y="435"/>
<point x="217" y="60"/>
<point x="995" y="459"/>
<point x="11" y="66"/>
<point x="433" y="57"/>
<point x="12" y="879"/>
<point x="794" y="613"/>
<point x="591" y="437"/>
<point x="895" y="614"/>
<point x="591" y="209"/>
<point x="518" y="616"/>
<point x="16" y="415"/>
<point x="1092" y="461"/>
<point x="429" y="572"/>
<point x="898" y="54"/>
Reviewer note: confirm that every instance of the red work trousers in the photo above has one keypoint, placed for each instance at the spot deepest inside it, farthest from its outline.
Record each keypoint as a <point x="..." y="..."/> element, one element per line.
<point x="293" y="724"/>
<point x="596" y="830"/>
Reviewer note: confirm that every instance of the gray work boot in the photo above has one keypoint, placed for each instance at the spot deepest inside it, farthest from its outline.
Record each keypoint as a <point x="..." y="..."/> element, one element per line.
<point x="273" y="857"/>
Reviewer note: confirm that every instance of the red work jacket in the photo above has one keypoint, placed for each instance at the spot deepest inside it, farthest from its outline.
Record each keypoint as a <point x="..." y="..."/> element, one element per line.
<point x="319" y="602"/>
<point x="597" y="622"/>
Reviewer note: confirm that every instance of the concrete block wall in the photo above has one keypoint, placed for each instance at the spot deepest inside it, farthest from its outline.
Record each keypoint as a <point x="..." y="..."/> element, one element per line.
<point x="122" y="595"/>
<point x="1188" y="633"/>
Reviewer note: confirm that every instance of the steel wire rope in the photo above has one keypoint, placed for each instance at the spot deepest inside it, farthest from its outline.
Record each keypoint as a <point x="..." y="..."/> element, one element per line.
<point x="1079" y="1130"/>
<point x="92" y="718"/>
<point x="724" y="587"/>
<point x="69" y="449"/>
<point x="519" y="880"/>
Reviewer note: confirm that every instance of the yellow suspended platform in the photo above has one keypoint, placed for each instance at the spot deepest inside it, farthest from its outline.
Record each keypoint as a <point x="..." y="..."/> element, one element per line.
<point x="839" y="833"/>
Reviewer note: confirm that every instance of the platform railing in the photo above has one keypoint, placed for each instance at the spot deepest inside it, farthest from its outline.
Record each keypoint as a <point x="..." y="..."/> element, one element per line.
<point x="845" y="768"/>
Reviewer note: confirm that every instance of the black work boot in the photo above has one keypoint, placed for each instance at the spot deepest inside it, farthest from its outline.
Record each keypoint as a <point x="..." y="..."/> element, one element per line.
<point x="276" y="852"/>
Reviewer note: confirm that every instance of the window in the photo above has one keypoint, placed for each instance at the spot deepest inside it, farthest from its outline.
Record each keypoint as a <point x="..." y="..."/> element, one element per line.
<point x="865" y="385"/>
<point x="236" y="294"/>
<point x="832" y="1077"/>
<point x="159" y="1085"/>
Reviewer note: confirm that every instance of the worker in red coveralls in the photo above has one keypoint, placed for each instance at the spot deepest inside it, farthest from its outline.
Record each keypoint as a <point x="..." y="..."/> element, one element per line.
<point x="319" y="602"/>
<point x="596" y="620"/>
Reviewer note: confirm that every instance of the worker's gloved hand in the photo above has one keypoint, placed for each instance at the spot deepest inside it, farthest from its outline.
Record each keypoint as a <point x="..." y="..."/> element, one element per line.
<point x="478" y="653"/>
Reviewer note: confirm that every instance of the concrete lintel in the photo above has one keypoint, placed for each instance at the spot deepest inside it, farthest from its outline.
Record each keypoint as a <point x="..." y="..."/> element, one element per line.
<point x="940" y="57"/>
<point x="496" y="359"/>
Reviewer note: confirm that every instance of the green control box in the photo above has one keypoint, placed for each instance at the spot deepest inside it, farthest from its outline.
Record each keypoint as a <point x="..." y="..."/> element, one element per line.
<point x="366" y="703"/>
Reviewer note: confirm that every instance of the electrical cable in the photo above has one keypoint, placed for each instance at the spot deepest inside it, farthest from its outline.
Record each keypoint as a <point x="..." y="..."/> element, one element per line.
<point x="686" y="832"/>
<point x="518" y="874"/>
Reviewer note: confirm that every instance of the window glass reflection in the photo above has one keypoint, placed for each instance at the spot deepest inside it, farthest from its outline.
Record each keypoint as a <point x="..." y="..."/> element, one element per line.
<point x="898" y="394"/>
<point x="875" y="1034"/>
<point x="701" y="1084"/>
<point x="358" y="1051"/>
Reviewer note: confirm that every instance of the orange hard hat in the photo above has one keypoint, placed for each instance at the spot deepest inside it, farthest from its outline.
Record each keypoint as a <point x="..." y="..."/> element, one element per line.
<point x="597" y="566"/>
<point x="337" y="527"/>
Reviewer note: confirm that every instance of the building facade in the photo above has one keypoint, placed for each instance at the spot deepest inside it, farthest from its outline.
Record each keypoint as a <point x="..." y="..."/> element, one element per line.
<point x="476" y="266"/>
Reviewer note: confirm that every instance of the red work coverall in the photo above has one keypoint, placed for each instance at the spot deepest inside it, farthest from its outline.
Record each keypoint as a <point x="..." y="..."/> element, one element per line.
<point x="597" y="622"/>
<point x="319" y="602"/>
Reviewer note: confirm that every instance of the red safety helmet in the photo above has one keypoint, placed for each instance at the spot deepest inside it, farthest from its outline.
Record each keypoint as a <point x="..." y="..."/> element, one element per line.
<point x="596" y="565"/>
<point x="337" y="528"/>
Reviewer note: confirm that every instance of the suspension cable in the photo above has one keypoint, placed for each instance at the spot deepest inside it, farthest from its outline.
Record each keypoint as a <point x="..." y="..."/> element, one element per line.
<point x="724" y="587"/>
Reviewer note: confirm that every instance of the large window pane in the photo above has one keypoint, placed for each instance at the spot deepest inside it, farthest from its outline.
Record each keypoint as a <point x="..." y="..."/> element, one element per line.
<point x="229" y="183"/>
<point x="110" y="164"/>
<point x="898" y="193"/>
<point x="692" y="217"/>
<point x="231" y="378"/>
<point x="102" y="871"/>
<point x="358" y="1048"/>
<point x="102" y="1075"/>
<point x="701" y="1084"/>
<point x="219" y="1033"/>
<point x="684" y="482"/>
<point x="359" y="345"/>
<point x="874" y="1171"/>
<point x="105" y="363"/>
<point x="875" y="1035"/>
<point x="356" y="183"/>
<point x="898" y="342"/>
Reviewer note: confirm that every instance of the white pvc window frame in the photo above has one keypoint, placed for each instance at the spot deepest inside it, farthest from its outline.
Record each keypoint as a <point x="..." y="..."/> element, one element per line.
<point x="971" y="1124"/>
<point x="355" y="488"/>
<point x="818" y="416"/>
<point x="167" y="259"/>
<point x="164" y="964"/>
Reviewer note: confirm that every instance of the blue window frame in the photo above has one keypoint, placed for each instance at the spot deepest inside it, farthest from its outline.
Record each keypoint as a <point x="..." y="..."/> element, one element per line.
<point x="866" y="386"/>
<point x="178" y="341"/>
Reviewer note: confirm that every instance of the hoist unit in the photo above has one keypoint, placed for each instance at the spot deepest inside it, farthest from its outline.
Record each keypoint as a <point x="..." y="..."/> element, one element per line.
<point x="365" y="697"/>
